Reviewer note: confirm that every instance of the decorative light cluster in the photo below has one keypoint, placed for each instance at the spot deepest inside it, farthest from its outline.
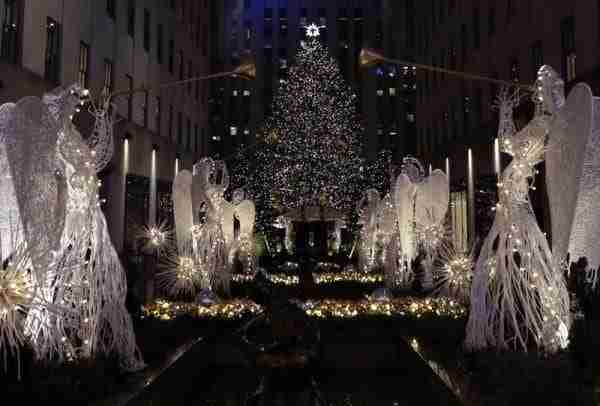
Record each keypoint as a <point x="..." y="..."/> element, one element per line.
<point x="310" y="147"/>
<point x="347" y="276"/>
<point x="454" y="274"/>
<point x="289" y="266"/>
<point x="242" y="278"/>
<point x="16" y="289"/>
<point x="165" y="310"/>
<point x="403" y="307"/>
<point x="283" y="279"/>
<point x="327" y="266"/>
<point x="156" y="237"/>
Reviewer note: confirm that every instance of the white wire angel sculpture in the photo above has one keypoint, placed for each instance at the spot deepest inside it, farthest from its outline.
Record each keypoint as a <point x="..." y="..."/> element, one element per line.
<point x="368" y="209"/>
<point x="518" y="299"/>
<point x="209" y="240"/>
<point x="431" y="205"/>
<point x="78" y="308"/>
<point x="242" y="246"/>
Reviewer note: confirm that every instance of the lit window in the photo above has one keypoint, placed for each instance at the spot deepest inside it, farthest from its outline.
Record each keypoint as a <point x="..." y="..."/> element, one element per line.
<point x="233" y="130"/>
<point x="246" y="132"/>
<point x="393" y="91"/>
<point x="571" y="71"/>
<point x="216" y="138"/>
<point x="410" y="117"/>
<point x="235" y="92"/>
<point x="379" y="92"/>
<point x="84" y="51"/>
<point x="246" y="92"/>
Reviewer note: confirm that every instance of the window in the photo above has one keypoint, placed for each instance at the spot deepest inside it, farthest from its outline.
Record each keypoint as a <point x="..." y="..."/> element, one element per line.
<point x="342" y="26"/>
<point x="190" y="74"/>
<point x="159" y="43"/>
<point x="189" y="134"/>
<point x="233" y="131"/>
<point x="283" y="58"/>
<point x="196" y="139"/>
<point x="537" y="56"/>
<point x="171" y="122"/>
<point x="379" y="34"/>
<point x="303" y="17"/>
<point x="204" y="39"/>
<point x="10" y="32"/>
<point x="322" y="15"/>
<point x="283" y="23"/>
<point x="129" y="80"/>
<point x="108" y="75"/>
<point x="492" y="21"/>
<point x="171" y="56"/>
<point x="181" y="66"/>
<point x="83" y="72"/>
<point x="131" y="18"/>
<point x="477" y="109"/>
<point x="248" y="35"/>
<point x="198" y="31"/>
<point x="147" y="30"/>
<point x="268" y="13"/>
<point x="268" y="30"/>
<point x="145" y="108"/>
<point x="247" y="4"/>
<point x="464" y="40"/>
<point x="476" y="37"/>
<point x="358" y="33"/>
<point x="568" y="47"/>
<point x="511" y="10"/>
<point x="179" y="128"/>
<point x="158" y="115"/>
<point x="514" y="69"/>
<point x="53" y="45"/>
<point x="111" y="8"/>
<point x="452" y="53"/>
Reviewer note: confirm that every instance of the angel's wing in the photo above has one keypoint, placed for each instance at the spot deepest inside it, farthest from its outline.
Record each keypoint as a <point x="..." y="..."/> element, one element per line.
<point x="433" y="197"/>
<point x="565" y="152"/>
<point x="39" y="185"/>
<point x="182" y="206"/>
<point x="404" y="195"/>
<point x="585" y="230"/>
<point x="246" y="214"/>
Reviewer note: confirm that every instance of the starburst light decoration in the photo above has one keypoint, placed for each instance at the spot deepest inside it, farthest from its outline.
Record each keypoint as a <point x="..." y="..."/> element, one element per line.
<point x="156" y="238"/>
<point x="313" y="30"/>
<point x="453" y="274"/>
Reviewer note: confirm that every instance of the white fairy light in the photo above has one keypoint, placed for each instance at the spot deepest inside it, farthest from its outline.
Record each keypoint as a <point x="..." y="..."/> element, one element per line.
<point x="518" y="303"/>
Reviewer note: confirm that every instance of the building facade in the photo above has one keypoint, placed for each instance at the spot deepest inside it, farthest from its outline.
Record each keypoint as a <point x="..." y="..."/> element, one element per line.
<point x="506" y="40"/>
<point x="120" y="45"/>
<point x="272" y="30"/>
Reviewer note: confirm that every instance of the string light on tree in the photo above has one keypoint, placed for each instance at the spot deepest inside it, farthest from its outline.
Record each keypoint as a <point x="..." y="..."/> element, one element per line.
<point x="311" y="144"/>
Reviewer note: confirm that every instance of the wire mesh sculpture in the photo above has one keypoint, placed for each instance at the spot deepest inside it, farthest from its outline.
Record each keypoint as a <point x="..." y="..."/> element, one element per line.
<point x="54" y="216"/>
<point x="519" y="299"/>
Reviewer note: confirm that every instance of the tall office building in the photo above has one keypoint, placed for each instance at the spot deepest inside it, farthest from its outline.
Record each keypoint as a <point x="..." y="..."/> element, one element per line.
<point x="120" y="45"/>
<point x="507" y="40"/>
<point x="272" y="30"/>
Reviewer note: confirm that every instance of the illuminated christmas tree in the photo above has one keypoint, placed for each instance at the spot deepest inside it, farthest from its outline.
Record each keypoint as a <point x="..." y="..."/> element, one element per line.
<point x="310" y="152"/>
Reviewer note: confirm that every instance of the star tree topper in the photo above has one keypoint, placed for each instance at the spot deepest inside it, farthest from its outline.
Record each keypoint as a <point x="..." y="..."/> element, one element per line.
<point x="313" y="30"/>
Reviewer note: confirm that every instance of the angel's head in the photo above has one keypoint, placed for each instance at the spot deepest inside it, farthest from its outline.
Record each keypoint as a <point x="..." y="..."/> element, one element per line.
<point x="550" y="89"/>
